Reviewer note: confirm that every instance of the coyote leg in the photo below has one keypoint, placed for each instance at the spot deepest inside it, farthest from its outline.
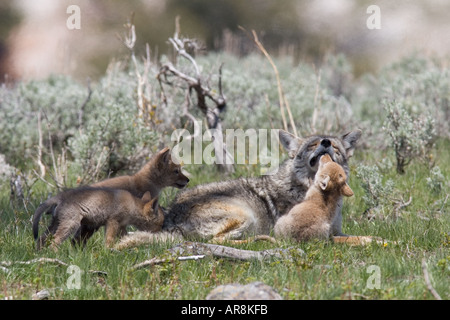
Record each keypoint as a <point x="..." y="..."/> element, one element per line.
<point x="64" y="230"/>
<point x="112" y="230"/>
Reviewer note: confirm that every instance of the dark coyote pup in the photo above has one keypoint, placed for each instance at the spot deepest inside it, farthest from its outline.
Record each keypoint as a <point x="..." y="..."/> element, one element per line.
<point x="86" y="209"/>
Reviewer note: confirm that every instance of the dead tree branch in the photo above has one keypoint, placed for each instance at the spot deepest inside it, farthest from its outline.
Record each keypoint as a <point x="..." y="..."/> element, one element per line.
<point x="156" y="261"/>
<point x="198" y="250"/>
<point x="4" y="264"/>
<point x="428" y="282"/>
<point x="37" y="260"/>
<point x="203" y="93"/>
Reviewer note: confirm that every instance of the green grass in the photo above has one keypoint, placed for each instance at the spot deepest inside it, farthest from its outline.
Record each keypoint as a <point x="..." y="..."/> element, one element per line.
<point x="326" y="271"/>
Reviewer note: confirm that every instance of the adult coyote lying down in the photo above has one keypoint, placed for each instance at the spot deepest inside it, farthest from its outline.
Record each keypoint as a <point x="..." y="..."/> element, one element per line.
<point x="236" y="209"/>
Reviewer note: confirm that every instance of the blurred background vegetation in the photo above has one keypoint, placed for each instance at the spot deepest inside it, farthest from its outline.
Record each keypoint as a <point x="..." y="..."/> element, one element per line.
<point x="75" y="106"/>
<point x="35" y="42"/>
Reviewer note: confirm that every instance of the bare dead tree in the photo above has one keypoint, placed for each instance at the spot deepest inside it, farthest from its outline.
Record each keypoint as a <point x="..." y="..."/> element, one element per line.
<point x="210" y="103"/>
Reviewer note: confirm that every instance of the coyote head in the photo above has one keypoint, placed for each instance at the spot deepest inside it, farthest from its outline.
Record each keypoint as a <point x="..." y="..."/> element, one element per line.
<point x="152" y="213"/>
<point x="170" y="171"/>
<point x="330" y="177"/>
<point x="306" y="152"/>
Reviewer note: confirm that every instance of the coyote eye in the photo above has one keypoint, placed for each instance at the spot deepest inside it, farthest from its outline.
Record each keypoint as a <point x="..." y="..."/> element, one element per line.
<point x="312" y="145"/>
<point x="336" y="150"/>
<point x="177" y="171"/>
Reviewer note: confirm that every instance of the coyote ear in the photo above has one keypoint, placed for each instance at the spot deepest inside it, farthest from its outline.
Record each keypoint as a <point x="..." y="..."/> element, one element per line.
<point x="325" y="159"/>
<point x="164" y="156"/>
<point x="146" y="197"/>
<point x="347" y="191"/>
<point x="290" y="142"/>
<point x="154" y="204"/>
<point x="349" y="140"/>
<point x="323" y="181"/>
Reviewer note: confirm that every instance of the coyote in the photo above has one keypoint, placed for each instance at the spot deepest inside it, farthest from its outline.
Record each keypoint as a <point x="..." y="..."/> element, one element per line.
<point x="158" y="173"/>
<point x="235" y="209"/>
<point x="313" y="217"/>
<point x="86" y="209"/>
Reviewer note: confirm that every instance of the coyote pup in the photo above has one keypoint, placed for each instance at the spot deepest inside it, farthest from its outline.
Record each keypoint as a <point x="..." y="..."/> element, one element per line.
<point x="158" y="173"/>
<point x="84" y="210"/>
<point x="313" y="217"/>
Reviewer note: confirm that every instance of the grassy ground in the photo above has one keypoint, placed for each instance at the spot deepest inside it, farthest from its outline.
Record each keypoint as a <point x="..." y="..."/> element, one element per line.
<point x="326" y="271"/>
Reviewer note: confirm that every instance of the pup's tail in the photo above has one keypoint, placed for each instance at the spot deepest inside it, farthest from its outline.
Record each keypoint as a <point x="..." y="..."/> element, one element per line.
<point x="44" y="207"/>
<point x="141" y="238"/>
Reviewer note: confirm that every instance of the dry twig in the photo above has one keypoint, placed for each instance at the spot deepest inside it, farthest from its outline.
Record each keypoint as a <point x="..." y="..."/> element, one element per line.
<point x="428" y="282"/>
<point x="282" y="99"/>
<point x="5" y="264"/>
<point x="198" y="250"/>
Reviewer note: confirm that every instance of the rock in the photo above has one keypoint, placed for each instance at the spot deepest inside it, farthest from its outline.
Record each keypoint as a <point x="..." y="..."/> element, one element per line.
<point x="251" y="291"/>
<point x="41" y="295"/>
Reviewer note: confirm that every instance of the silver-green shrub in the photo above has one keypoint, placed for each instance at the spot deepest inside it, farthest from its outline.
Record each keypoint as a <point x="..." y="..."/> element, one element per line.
<point x="57" y="98"/>
<point x="377" y="194"/>
<point x="436" y="181"/>
<point x="412" y="134"/>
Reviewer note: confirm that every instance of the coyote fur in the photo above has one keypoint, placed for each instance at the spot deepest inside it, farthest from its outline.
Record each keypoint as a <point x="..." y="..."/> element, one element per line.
<point x="236" y="209"/>
<point x="86" y="209"/>
<point x="312" y="218"/>
<point x="158" y="173"/>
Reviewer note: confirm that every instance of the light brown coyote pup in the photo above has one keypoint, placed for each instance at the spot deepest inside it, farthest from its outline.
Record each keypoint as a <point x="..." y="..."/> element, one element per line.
<point x="84" y="210"/>
<point x="313" y="217"/>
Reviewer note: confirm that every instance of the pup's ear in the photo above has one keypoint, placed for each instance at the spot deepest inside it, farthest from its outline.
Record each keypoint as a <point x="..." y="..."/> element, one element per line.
<point x="146" y="197"/>
<point x="325" y="159"/>
<point x="349" y="140"/>
<point x="323" y="182"/>
<point x="164" y="156"/>
<point x="290" y="142"/>
<point x="347" y="191"/>
<point x="154" y="204"/>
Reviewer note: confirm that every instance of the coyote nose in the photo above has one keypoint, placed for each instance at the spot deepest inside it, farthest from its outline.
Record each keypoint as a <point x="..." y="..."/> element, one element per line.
<point x="325" y="143"/>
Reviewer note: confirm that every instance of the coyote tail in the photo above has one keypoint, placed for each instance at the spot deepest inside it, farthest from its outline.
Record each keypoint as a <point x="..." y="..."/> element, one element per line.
<point x="44" y="207"/>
